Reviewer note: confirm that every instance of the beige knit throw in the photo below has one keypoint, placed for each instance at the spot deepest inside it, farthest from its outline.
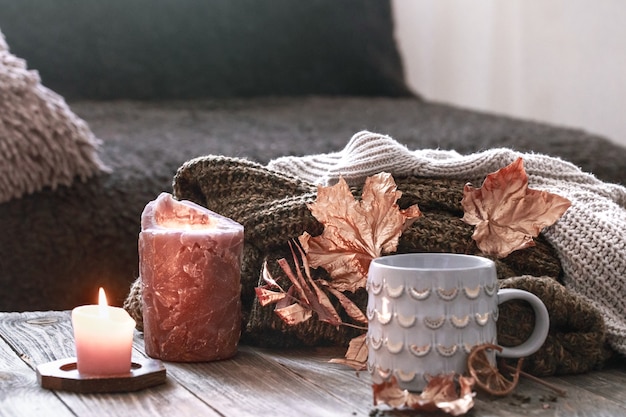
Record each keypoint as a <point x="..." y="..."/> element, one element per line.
<point x="590" y="238"/>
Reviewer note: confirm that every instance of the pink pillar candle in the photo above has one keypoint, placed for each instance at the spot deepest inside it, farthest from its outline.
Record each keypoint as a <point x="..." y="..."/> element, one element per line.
<point x="190" y="268"/>
<point x="103" y="337"/>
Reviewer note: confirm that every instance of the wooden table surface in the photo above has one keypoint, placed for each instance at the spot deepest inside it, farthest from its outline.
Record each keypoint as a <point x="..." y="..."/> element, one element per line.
<point x="257" y="382"/>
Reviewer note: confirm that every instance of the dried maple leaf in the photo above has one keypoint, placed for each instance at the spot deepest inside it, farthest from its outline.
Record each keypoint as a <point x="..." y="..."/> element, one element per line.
<point x="294" y="313"/>
<point x="389" y="393"/>
<point x="305" y="296"/>
<point x="356" y="355"/>
<point x="443" y="392"/>
<point x="348" y="305"/>
<point x="507" y="214"/>
<point x="267" y="296"/>
<point x="355" y="232"/>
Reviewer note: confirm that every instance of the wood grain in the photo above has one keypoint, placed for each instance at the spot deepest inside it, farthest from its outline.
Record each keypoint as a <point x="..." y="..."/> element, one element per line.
<point x="313" y="365"/>
<point x="19" y="392"/>
<point x="253" y="385"/>
<point x="43" y="337"/>
<point x="256" y="382"/>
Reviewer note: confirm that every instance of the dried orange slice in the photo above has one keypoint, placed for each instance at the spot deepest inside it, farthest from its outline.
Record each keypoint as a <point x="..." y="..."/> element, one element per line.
<point x="487" y="375"/>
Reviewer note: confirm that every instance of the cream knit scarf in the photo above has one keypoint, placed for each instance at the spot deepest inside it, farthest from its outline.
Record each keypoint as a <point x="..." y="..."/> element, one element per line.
<point x="590" y="238"/>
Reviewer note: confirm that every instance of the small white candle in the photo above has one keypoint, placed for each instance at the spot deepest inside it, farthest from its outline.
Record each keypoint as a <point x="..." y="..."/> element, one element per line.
<point x="103" y="337"/>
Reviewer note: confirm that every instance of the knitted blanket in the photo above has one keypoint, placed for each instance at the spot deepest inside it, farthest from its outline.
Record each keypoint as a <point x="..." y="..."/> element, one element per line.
<point x="590" y="238"/>
<point x="271" y="204"/>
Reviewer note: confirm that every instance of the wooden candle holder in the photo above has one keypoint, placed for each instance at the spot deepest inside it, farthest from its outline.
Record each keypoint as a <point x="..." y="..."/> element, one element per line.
<point x="63" y="375"/>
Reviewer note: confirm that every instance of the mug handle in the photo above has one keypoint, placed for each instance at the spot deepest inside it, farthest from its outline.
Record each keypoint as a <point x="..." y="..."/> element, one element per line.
<point x="542" y="323"/>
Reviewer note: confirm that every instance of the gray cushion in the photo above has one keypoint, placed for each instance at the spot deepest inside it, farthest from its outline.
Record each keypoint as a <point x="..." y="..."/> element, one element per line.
<point x="206" y="48"/>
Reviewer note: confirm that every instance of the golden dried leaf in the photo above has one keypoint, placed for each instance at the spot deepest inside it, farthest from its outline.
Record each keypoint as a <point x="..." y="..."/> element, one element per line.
<point x="348" y="305"/>
<point x="267" y="277"/>
<point x="266" y="296"/>
<point x="294" y="314"/>
<point x="442" y="393"/>
<point x="507" y="214"/>
<point x="296" y="280"/>
<point x="356" y="355"/>
<point x="462" y="402"/>
<point x="289" y="299"/>
<point x="304" y="297"/>
<point x="440" y="388"/>
<point x="319" y="301"/>
<point x="355" y="232"/>
<point x="390" y="393"/>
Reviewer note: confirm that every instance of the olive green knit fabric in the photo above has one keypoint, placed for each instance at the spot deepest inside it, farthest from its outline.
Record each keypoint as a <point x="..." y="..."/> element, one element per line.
<point x="272" y="208"/>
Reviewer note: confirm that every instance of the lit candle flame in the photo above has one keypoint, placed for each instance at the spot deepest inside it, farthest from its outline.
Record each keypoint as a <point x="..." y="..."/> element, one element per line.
<point x="102" y="302"/>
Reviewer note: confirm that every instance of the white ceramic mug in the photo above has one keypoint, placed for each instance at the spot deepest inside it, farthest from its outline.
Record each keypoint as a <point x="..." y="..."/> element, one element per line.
<point x="427" y="310"/>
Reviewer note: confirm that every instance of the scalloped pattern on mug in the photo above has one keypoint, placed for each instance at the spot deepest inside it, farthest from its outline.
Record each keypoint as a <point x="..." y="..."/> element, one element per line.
<point x="419" y="294"/>
<point x="421" y="350"/>
<point x="384" y="317"/>
<point x="406" y="321"/>
<point x="434" y="323"/>
<point x="447" y="351"/>
<point x="467" y="347"/>
<point x="383" y="373"/>
<point x="404" y="376"/>
<point x="472" y="293"/>
<point x="460" y="322"/>
<point x="447" y="294"/>
<point x="395" y="292"/>
<point x="376" y="343"/>
<point x="394" y="347"/>
<point x="490" y="289"/>
<point x="482" y="319"/>
<point x="376" y="287"/>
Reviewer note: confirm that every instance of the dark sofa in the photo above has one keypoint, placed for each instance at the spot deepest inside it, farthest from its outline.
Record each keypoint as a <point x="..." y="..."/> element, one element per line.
<point x="162" y="82"/>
